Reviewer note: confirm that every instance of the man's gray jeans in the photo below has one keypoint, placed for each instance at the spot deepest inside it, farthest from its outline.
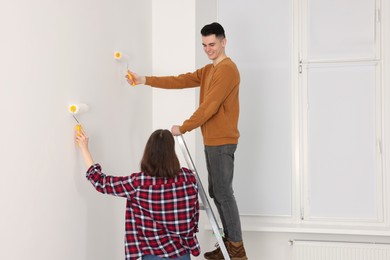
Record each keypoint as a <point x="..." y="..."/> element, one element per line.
<point x="220" y="167"/>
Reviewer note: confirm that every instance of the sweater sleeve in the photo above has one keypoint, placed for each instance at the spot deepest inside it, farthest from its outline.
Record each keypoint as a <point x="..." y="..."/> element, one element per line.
<point x="188" y="80"/>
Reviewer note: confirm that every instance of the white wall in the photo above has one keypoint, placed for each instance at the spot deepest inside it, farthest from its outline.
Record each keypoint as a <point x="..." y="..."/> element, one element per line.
<point x="173" y="49"/>
<point x="53" y="53"/>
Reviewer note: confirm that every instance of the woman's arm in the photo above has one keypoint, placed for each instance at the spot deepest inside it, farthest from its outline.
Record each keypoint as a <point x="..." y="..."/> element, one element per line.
<point x="117" y="186"/>
<point x="82" y="140"/>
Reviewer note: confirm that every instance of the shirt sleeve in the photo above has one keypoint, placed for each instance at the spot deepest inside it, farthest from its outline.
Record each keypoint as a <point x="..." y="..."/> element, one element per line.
<point x="122" y="186"/>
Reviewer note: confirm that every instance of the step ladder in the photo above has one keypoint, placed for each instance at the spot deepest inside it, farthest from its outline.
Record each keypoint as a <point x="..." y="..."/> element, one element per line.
<point x="203" y="196"/>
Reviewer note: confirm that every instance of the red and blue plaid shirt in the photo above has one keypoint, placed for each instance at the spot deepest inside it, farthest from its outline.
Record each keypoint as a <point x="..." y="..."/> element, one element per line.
<point x="161" y="213"/>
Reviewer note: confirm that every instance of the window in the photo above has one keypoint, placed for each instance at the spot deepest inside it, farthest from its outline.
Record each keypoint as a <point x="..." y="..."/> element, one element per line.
<point x="311" y="146"/>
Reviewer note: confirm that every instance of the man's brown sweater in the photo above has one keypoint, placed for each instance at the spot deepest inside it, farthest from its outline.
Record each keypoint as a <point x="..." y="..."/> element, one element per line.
<point x="218" y="110"/>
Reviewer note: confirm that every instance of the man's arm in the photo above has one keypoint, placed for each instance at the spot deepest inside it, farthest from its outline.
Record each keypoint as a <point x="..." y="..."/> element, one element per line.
<point x="187" y="80"/>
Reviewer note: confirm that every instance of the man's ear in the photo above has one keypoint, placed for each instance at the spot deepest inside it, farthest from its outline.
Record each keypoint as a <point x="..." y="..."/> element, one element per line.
<point x="224" y="42"/>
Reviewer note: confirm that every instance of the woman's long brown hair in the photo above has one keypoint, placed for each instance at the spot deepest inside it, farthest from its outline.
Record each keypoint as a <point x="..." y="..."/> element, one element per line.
<point x="160" y="159"/>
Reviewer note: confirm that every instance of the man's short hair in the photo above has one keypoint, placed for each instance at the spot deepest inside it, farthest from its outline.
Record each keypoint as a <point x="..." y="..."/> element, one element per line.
<point x="213" y="28"/>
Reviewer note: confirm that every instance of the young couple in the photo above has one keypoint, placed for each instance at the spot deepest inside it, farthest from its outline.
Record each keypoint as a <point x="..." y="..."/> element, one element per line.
<point x="162" y="202"/>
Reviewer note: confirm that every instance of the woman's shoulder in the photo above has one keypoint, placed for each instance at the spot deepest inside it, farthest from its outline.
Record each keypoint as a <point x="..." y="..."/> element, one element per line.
<point x="186" y="170"/>
<point x="140" y="178"/>
<point x="187" y="174"/>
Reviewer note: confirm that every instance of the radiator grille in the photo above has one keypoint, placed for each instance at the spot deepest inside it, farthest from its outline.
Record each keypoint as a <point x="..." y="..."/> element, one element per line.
<point x="321" y="250"/>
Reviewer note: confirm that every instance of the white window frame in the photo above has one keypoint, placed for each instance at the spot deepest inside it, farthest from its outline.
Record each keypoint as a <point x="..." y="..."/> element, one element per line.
<point x="302" y="205"/>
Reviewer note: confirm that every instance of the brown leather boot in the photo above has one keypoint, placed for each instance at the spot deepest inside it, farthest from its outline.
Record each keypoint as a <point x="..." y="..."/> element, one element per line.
<point x="236" y="251"/>
<point x="216" y="254"/>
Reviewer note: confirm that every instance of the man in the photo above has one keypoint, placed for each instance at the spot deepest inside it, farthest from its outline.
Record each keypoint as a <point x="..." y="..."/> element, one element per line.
<point x="217" y="115"/>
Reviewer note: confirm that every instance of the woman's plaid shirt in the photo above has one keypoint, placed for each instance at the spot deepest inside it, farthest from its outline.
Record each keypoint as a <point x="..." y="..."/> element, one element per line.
<point x="161" y="213"/>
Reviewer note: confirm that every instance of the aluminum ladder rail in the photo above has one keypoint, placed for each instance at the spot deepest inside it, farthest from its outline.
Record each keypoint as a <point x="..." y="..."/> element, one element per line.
<point x="203" y="197"/>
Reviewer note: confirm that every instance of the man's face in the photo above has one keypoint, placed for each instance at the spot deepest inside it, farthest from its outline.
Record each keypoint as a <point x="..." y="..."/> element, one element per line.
<point x="214" y="47"/>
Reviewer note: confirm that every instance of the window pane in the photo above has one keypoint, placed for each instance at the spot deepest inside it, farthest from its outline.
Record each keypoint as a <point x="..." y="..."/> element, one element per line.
<point x="341" y="29"/>
<point x="342" y="142"/>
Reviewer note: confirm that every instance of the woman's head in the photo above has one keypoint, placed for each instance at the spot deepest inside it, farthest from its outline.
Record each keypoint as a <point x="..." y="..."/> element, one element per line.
<point x="159" y="159"/>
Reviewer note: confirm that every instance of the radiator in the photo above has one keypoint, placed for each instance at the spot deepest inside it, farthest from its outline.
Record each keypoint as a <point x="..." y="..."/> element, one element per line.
<point x="324" y="250"/>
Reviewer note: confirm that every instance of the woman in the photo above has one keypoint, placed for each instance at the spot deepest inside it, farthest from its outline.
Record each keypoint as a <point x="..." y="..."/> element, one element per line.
<point x="162" y="208"/>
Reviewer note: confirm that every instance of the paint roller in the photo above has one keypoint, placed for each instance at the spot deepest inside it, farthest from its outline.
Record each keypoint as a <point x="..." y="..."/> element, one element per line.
<point x="76" y="109"/>
<point x="123" y="57"/>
